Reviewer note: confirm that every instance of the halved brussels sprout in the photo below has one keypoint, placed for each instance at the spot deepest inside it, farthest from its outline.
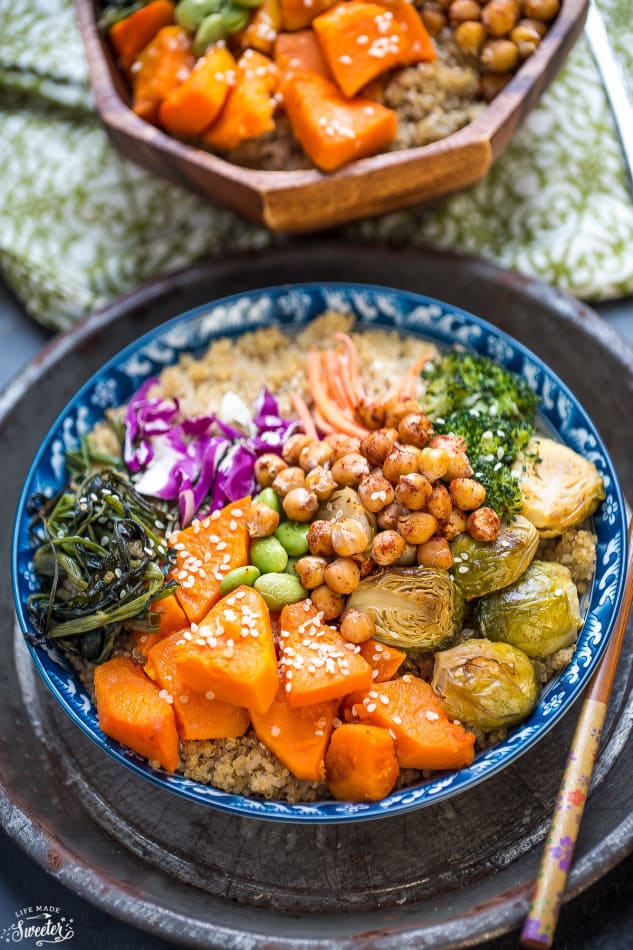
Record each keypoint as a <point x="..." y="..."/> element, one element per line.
<point x="486" y="685"/>
<point x="560" y="488"/>
<point x="539" y="613"/>
<point x="345" y="503"/>
<point x="484" y="566"/>
<point x="418" y="609"/>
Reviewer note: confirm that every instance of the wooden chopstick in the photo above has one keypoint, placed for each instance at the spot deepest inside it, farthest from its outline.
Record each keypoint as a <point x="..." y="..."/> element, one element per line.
<point x="540" y="924"/>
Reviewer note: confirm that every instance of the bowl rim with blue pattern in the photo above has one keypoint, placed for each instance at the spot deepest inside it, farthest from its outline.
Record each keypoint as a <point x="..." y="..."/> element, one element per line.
<point x="291" y="306"/>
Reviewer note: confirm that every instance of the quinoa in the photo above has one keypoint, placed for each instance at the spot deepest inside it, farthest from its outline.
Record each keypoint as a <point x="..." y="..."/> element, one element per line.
<point x="270" y="357"/>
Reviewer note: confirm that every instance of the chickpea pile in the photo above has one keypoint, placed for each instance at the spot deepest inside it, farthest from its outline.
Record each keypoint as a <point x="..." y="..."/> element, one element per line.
<point x="499" y="34"/>
<point x="417" y="485"/>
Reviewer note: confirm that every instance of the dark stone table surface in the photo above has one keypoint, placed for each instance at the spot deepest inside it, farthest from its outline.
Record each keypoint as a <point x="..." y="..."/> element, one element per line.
<point x="599" y="919"/>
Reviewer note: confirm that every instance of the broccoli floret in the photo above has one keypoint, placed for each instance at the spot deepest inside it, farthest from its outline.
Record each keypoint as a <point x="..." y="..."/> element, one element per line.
<point x="493" y="410"/>
<point x="472" y="381"/>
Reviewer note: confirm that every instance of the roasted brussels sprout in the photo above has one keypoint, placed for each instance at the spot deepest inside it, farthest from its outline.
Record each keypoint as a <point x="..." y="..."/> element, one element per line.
<point x="482" y="567"/>
<point x="539" y="613"/>
<point x="560" y="488"/>
<point x="345" y="503"/>
<point x="486" y="685"/>
<point x="418" y="609"/>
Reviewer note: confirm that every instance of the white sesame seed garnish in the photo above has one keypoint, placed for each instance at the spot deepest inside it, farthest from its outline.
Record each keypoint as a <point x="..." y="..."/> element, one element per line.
<point x="431" y="716"/>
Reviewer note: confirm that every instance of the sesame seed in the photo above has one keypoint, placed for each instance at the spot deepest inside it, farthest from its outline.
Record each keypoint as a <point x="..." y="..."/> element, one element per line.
<point x="209" y="694"/>
<point x="431" y="716"/>
<point x="275" y="731"/>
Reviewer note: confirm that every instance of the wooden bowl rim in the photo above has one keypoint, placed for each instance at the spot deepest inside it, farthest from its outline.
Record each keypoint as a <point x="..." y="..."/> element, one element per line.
<point x="117" y="114"/>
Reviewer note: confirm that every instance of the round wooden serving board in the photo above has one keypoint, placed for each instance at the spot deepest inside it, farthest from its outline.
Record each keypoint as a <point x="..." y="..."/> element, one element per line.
<point x="449" y="875"/>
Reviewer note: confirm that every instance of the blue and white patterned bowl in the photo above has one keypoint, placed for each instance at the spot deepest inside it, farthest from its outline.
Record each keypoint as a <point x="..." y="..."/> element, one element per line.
<point x="291" y="307"/>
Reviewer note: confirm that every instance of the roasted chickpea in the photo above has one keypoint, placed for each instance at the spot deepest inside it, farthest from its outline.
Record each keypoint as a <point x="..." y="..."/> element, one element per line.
<point x="527" y="35"/>
<point x="544" y="10"/>
<point x="349" y="537"/>
<point x="387" y="547"/>
<point x="375" y="492"/>
<point x="397" y="408"/>
<point x="461" y="10"/>
<point x="403" y="460"/>
<point x="415" y="429"/>
<point x="327" y="602"/>
<point x="433" y="463"/>
<point x="434" y="553"/>
<point x="439" y="504"/>
<point x="413" y="491"/>
<point x="309" y="570"/>
<point x="455" y="525"/>
<point x="377" y="445"/>
<point x="387" y="519"/>
<point x="433" y="18"/>
<point x="491" y="84"/>
<point x="500" y="16"/>
<point x="300" y="504"/>
<point x="293" y="446"/>
<point x="467" y="493"/>
<point x="289" y="478"/>
<point x="417" y="527"/>
<point x="371" y="413"/>
<point x="317" y="453"/>
<point x="320" y="538"/>
<point x="267" y="467"/>
<point x="470" y="36"/>
<point x="342" y="575"/>
<point x="483" y="524"/>
<point x="341" y="444"/>
<point x="500" y="55"/>
<point x="357" y="626"/>
<point x="261" y="520"/>
<point x="350" y="469"/>
<point x="320" y="481"/>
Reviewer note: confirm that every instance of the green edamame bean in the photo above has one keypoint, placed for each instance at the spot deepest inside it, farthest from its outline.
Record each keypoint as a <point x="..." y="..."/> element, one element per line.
<point x="269" y="555"/>
<point x="235" y="18"/>
<point x="290" y="567"/>
<point x="294" y="537"/>
<point x="279" y="590"/>
<point x="212" y="29"/>
<point x="269" y="498"/>
<point x="241" y="575"/>
<point x="191" y="13"/>
<point x="249" y="4"/>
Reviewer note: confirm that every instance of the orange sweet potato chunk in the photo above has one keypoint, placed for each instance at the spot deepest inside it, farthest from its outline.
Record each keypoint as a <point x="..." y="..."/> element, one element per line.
<point x="316" y="662"/>
<point x="170" y="616"/>
<point x="207" y="551"/>
<point x="232" y="653"/>
<point x="161" y="66"/>
<point x="360" y="40"/>
<point x="361" y="764"/>
<point x="384" y="660"/>
<point x="425" y="738"/>
<point x="297" y="14"/>
<point x="300" y="52"/>
<point x="298" y="737"/>
<point x="261" y="32"/>
<point x="334" y="130"/>
<point x="249" y="108"/>
<point x="131" y="35"/>
<point x="198" y="716"/>
<point x="194" y="105"/>
<point x="131" y="711"/>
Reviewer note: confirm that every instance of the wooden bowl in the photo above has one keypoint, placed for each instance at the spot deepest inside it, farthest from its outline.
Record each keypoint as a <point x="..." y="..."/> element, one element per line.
<point x="307" y="200"/>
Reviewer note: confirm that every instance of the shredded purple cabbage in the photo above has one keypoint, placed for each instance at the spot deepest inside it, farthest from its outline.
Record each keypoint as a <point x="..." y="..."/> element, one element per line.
<point x="202" y="462"/>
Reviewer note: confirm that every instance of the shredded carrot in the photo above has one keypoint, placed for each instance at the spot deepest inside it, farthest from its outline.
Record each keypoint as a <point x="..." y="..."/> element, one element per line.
<point x="321" y="424"/>
<point x="326" y="407"/>
<point x="405" y="386"/>
<point x="333" y="380"/>
<point x="343" y="373"/>
<point x="304" y="415"/>
<point x="354" y="370"/>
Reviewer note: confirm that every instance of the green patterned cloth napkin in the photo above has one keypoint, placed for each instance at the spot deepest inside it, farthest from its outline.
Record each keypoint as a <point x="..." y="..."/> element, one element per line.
<point x="79" y="224"/>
